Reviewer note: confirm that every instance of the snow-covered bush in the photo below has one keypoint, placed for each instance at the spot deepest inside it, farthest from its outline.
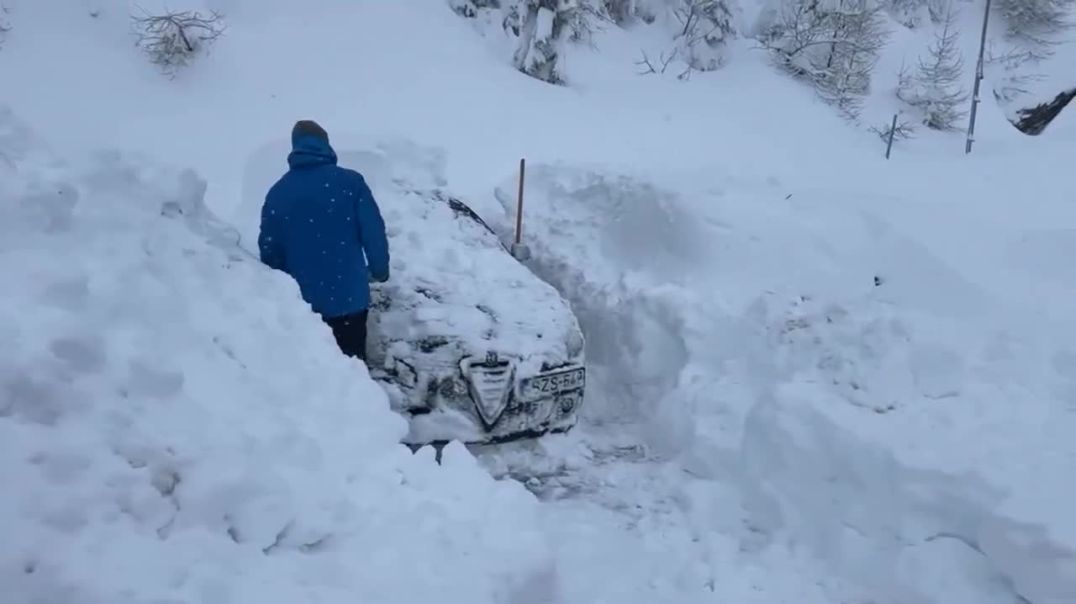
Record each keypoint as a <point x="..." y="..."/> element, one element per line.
<point x="699" y="30"/>
<point x="176" y="425"/>
<point x="936" y="88"/>
<point x="833" y="44"/>
<point x="541" y="28"/>
<point x="705" y="28"/>
<point x="172" y="39"/>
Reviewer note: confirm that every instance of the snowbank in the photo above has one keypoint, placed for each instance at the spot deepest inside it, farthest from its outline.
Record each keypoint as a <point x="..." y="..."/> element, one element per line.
<point x="871" y="394"/>
<point x="175" y="425"/>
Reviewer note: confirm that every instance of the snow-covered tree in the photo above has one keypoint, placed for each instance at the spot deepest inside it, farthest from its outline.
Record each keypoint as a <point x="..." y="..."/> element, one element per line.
<point x="936" y="86"/>
<point x="833" y="44"/>
<point x="915" y="13"/>
<point x="1036" y="21"/>
<point x="172" y="39"/>
<point x="542" y="30"/>
<point x="705" y="28"/>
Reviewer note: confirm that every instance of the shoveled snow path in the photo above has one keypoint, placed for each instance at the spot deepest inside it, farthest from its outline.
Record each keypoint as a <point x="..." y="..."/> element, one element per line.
<point x="626" y="526"/>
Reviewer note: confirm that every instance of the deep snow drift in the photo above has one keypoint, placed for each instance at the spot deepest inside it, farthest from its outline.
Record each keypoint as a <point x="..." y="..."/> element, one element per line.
<point x="175" y="425"/>
<point x="863" y="392"/>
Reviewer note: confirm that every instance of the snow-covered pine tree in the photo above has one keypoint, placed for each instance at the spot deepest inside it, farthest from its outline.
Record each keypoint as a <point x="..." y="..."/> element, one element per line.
<point x="542" y="30"/>
<point x="833" y="44"/>
<point x="935" y="88"/>
<point x="1036" y="21"/>
<point x="541" y="27"/>
<point x="705" y="28"/>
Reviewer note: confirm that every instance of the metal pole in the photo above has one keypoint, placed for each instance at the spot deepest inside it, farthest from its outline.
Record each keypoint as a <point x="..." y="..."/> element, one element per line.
<point x="519" y="202"/>
<point x="892" y="131"/>
<point x="978" y="79"/>
<point x="519" y="250"/>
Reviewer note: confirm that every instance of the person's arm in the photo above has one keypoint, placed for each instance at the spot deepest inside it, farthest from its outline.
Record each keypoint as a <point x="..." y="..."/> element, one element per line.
<point x="270" y="241"/>
<point x="375" y="242"/>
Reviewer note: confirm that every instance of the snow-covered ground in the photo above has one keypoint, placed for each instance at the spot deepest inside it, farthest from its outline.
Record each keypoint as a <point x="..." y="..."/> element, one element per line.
<point x="817" y="376"/>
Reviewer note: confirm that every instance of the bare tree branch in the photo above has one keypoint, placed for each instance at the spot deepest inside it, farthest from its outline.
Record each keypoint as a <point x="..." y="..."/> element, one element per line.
<point x="648" y="66"/>
<point x="834" y="47"/>
<point x="904" y="130"/>
<point x="173" y="38"/>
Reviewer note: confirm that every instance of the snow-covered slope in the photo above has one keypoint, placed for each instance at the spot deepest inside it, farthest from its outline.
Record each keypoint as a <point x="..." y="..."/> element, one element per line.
<point x="176" y="426"/>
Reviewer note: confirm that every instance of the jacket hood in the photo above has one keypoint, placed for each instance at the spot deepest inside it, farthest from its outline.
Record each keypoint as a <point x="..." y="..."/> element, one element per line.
<point x="310" y="150"/>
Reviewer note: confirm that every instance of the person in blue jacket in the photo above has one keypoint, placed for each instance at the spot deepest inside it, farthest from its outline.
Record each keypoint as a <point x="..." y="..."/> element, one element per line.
<point x="321" y="225"/>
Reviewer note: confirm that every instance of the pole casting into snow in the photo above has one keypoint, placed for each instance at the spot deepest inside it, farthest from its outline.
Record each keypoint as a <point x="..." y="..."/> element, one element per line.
<point x="520" y="251"/>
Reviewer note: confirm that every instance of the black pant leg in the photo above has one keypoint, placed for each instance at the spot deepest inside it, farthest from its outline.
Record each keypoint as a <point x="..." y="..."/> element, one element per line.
<point x="350" y="333"/>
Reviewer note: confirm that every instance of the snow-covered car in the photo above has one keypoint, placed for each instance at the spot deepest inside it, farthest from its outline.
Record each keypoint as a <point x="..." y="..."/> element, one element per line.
<point x="469" y="343"/>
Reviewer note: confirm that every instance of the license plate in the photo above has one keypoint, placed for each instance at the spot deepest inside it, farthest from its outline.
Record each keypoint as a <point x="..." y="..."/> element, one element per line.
<point x="552" y="384"/>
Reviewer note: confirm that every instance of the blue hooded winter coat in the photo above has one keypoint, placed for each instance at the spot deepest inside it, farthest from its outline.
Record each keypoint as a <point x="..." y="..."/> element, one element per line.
<point x="321" y="225"/>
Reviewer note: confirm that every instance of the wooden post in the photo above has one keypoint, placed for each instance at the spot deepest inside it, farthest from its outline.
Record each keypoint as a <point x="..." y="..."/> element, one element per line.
<point x="519" y="202"/>
<point x="892" y="131"/>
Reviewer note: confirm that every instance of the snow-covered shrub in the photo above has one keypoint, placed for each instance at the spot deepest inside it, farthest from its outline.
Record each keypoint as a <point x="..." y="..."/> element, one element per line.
<point x="706" y="27"/>
<point x="176" y="425"/>
<point x="699" y="30"/>
<point x="172" y="39"/>
<point x="936" y="88"/>
<point x="541" y="28"/>
<point x="833" y="44"/>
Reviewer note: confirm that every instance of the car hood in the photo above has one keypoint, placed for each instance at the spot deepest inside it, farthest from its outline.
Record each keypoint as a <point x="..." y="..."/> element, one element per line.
<point x="454" y="285"/>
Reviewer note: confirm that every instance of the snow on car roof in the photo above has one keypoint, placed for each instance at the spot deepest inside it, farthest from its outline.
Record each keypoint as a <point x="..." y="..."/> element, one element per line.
<point x="451" y="273"/>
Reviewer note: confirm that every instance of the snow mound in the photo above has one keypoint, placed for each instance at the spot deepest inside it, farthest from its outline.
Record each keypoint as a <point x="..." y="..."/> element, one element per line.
<point x="851" y="391"/>
<point x="181" y="428"/>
